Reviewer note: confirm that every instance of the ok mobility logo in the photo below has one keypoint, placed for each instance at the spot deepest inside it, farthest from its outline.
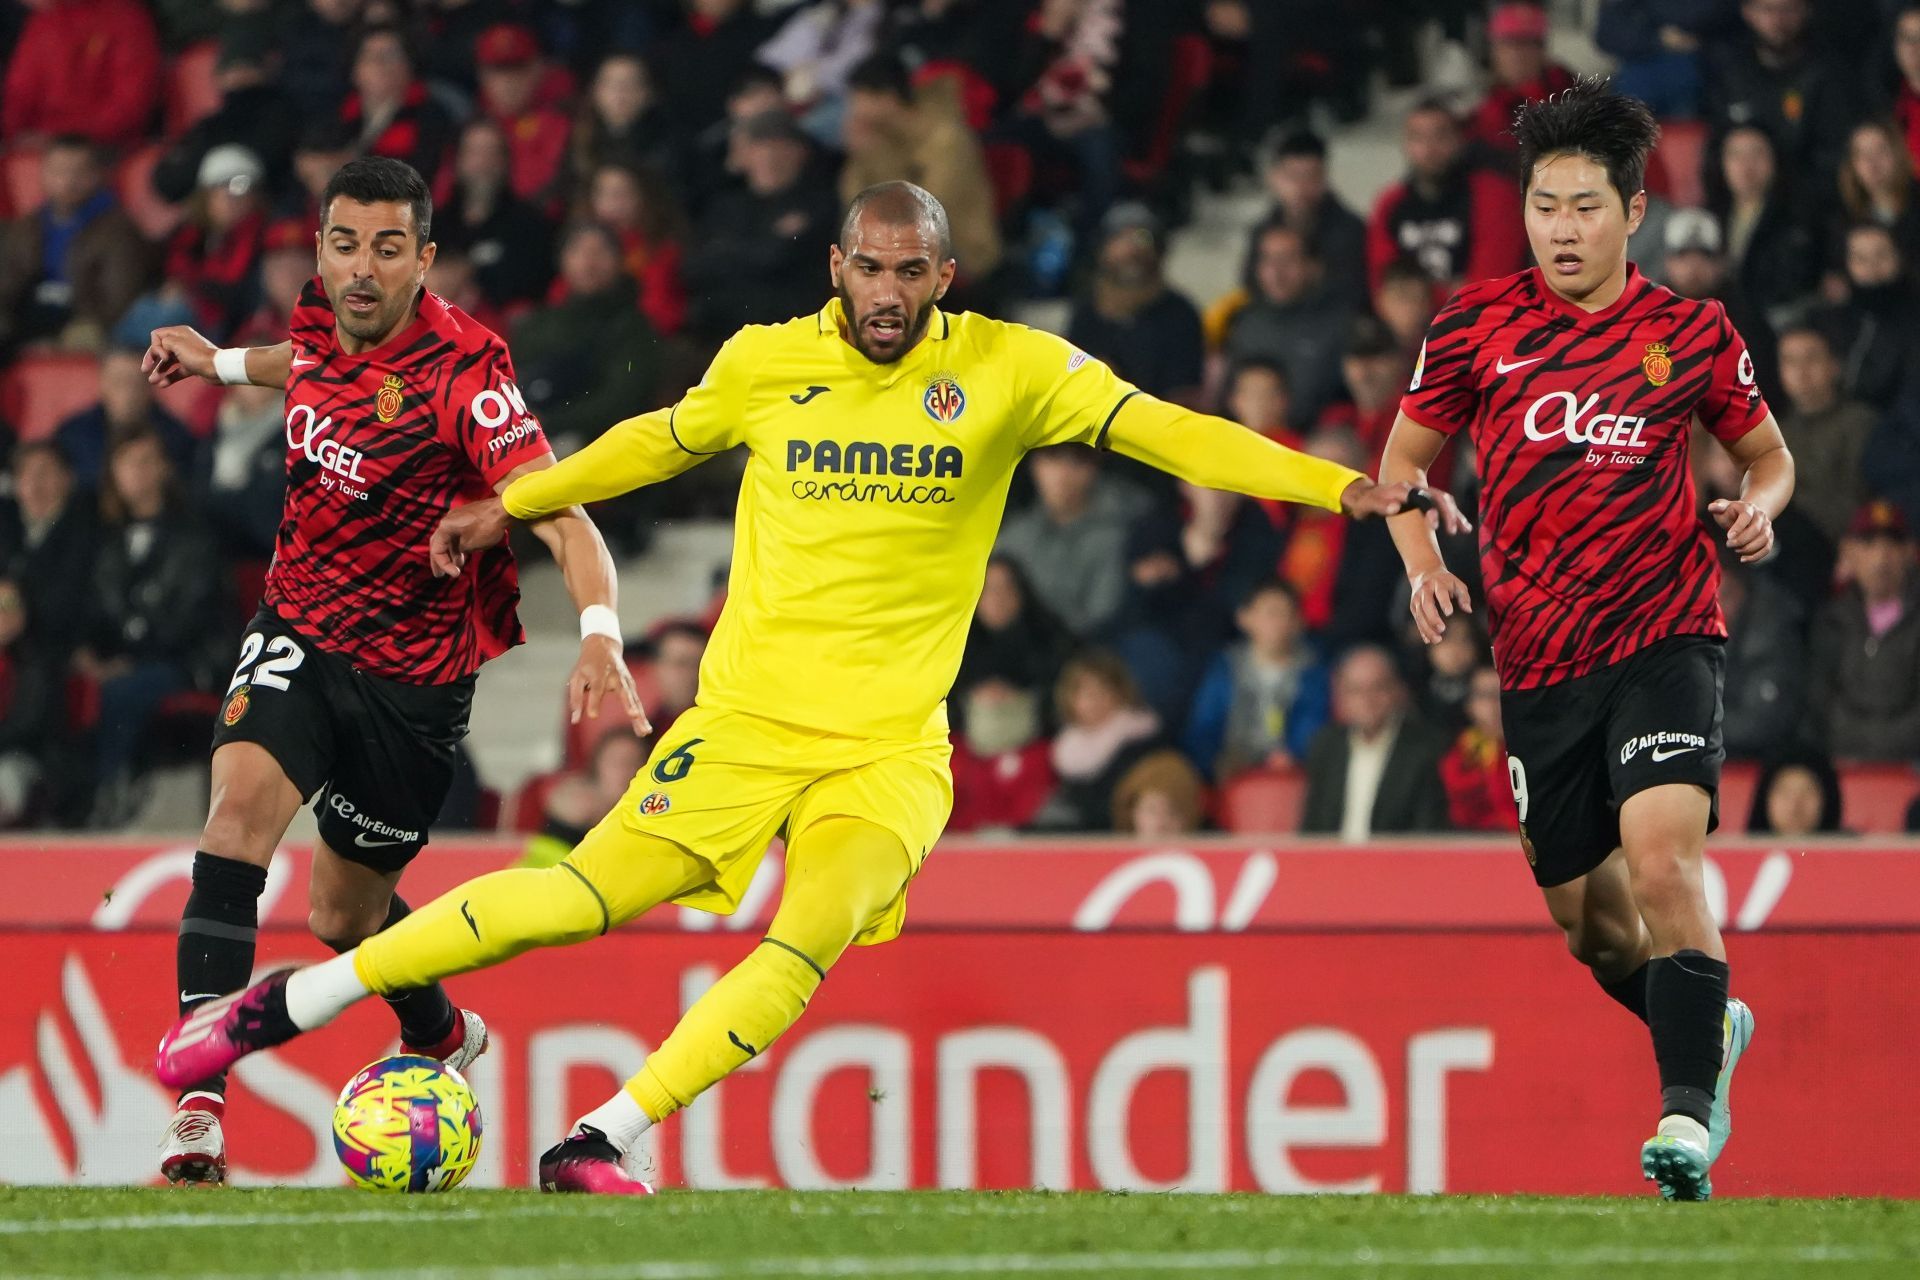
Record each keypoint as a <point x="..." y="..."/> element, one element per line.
<point x="892" y="469"/>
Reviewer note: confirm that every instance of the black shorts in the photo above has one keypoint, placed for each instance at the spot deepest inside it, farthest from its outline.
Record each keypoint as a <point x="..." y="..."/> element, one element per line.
<point x="378" y="753"/>
<point x="1576" y="750"/>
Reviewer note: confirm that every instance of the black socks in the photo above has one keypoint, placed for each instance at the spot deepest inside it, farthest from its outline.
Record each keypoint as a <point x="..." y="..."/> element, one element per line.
<point x="1630" y="991"/>
<point x="1686" y="1009"/>
<point x="217" y="931"/>
<point x="426" y="1014"/>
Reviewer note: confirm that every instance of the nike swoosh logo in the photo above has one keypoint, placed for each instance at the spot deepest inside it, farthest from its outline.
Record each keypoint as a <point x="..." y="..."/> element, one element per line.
<point x="298" y="361"/>
<point x="204" y="995"/>
<point x="467" y="915"/>
<point x="1501" y="366"/>
<point x="365" y="843"/>
<point x="1661" y="753"/>
<point x="811" y="392"/>
<point x="743" y="1046"/>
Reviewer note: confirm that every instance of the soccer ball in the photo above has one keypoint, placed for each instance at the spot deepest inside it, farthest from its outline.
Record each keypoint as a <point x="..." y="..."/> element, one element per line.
<point x="407" y="1124"/>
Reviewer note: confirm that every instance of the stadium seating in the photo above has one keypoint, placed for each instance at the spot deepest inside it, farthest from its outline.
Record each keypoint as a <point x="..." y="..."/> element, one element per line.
<point x="134" y="180"/>
<point x="1264" y="801"/>
<point x="1678" y="170"/>
<point x="41" y="389"/>
<point x="192" y="93"/>
<point x="1738" y="779"/>
<point x="21" y="166"/>
<point x="1874" y="797"/>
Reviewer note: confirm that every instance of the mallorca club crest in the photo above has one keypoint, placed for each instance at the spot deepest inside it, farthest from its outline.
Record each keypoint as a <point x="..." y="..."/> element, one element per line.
<point x="1657" y="364"/>
<point x="387" y="403"/>
<point x="944" y="400"/>
<point x="236" y="707"/>
<point x="656" y="803"/>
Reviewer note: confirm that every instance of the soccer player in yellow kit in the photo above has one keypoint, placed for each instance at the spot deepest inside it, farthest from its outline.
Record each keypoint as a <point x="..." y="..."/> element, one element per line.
<point x="883" y="434"/>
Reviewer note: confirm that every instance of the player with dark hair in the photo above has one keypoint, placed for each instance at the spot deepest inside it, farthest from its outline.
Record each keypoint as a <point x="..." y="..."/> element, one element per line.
<point x="884" y="434"/>
<point x="1578" y="382"/>
<point x="356" y="675"/>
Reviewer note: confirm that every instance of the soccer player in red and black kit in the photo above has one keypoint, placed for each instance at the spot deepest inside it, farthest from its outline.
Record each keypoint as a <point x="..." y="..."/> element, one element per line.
<point x="1578" y="382"/>
<point x="356" y="676"/>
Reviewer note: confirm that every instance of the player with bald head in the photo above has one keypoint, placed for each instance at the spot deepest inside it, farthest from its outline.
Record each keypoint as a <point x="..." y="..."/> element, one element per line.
<point x="883" y="435"/>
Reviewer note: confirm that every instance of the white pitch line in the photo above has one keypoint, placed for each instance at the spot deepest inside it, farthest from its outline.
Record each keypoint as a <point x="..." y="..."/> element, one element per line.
<point x="1212" y="1261"/>
<point x="148" y="1222"/>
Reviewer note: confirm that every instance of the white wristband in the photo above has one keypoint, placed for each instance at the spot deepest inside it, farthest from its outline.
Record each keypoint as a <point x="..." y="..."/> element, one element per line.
<point x="230" y="366"/>
<point x="599" y="620"/>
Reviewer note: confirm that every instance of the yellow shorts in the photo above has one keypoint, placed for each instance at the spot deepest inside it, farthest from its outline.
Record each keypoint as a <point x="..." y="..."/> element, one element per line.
<point x="723" y="784"/>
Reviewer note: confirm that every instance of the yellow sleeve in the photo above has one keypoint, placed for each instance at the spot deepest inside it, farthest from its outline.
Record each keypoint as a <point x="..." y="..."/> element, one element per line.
<point x="709" y="418"/>
<point x="1217" y="454"/>
<point x="1069" y="396"/>
<point x="629" y="454"/>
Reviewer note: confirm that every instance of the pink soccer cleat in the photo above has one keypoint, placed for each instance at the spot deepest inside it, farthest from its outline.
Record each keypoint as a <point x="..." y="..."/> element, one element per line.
<point x="219" y="1033"/>
<point x="586" y="1162"/>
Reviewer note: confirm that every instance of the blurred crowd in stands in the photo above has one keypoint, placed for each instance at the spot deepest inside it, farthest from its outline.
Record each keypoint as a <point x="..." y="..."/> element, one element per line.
<point x="621" y="183"/>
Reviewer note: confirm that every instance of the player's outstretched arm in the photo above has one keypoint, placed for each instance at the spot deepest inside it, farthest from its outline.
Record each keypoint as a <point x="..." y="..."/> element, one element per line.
<point x="630" y="454"/>
<point x="1765" y="489"/>
<point x="1411" y="449"/>
<point x="179" y="352"/>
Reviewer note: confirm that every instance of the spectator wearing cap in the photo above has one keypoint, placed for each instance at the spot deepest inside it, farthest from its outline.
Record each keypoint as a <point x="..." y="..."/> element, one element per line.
<point x="1875" y="331"/>
<point x="71" y="267"/>
<point x="254" y="113"/>
<point x="589" y="357"/>
<point x="510" y="73"/>
<point x="1768" y="245"/>
<point x="1696" y="267"/>
<point x="1765" y="687"/>
<point x="390" y="110"/>
<point x="758" y="252"/>
<point x="509" y="241"/>
<point x="1522" y="73"/>
<point x="213" y="259"/>
<point x="1770" y="72"/>
<point x="126" y="406"/>
<point x="701" y="62"/>
<point x="1658" y="46"/>
<point x="1459" y="222"/>
<point x="1132" y="318"/>
<point x="85" y="67"/>
<point x="1865" y="669"/>
<point x="894" y="130"/>
<point x="1827" y="432"/>
<point x="1296" y="179"/>
<point x="1290" y="319"/>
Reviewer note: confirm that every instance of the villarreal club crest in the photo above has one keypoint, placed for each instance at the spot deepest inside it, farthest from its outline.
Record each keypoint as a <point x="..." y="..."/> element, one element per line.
<point x="943" y="399"/>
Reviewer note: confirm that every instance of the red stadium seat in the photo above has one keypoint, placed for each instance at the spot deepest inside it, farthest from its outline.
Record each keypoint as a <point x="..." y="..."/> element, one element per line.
<point x="42" y="389"/>
<point x="154" y="216"/>
<point x="1264" y="802"/>
<point x="1010" y="169"/>
<point x="1874" y="797"/>
<point x="22" y="169"/>
<point x="192" y="92"/>
<point x="530" y="802"/>
<point x="1738" y="778"/>
<point x="1677" y="171"/>
<point x="195" y="403"/>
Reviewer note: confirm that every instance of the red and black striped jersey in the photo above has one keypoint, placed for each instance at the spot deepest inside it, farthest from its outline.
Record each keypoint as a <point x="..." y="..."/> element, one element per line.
<point x="1590" y="543"/>
<point x="379" y="447"/>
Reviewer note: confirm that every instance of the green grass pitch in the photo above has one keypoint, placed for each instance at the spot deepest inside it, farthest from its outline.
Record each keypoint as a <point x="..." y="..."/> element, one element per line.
<point x="510" y="1235"/>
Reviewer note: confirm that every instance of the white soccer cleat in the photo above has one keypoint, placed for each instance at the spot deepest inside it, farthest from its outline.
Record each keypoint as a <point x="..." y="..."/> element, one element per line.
<point x="1675" y="1157"/>
<point x="1738" y="1034"/>
<point x="194" y="1152"/>
<point x="467" y="1041"/>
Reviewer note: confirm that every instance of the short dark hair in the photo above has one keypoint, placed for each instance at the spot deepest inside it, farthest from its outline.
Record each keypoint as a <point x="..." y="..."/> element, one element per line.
<point x="1301" y="142"/>
<point x="1258" y="364"/>
<point x="371" y="179"/>
<point x="1589" y="119"/>
<point x="882" y="73"/>
<point x="758" y="75"/>
<point x="1404" y="269"/>
<point x="77" y="142"/>
<point x="1272" y="582"/>
<point x="1802" y="329"/>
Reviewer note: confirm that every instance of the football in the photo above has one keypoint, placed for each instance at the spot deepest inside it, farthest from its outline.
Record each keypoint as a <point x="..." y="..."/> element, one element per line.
<point x="407" y="1124"/>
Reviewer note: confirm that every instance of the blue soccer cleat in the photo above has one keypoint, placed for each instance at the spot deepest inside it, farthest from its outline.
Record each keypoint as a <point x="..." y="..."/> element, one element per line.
<point x="1739" y="1034"/>
<point x="1676" y="1158"/>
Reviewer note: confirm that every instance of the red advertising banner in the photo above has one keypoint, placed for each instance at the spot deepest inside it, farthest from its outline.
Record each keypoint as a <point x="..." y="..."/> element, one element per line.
<point x="1366" y="1061"/>
<point x="1228" y="886"/>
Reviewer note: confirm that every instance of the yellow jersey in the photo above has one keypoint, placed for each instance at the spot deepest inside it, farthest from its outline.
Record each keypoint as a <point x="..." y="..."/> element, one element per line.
<point x="873" y="494"/>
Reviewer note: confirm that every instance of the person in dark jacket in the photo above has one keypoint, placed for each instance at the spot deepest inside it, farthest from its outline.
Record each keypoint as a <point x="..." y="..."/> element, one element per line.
<point x="391" y="110"/>
<point x="30" y="708"/>
<point x="1148" y="331"/>
<point x="1658" y="44"/>
<point x="1304" y="202"/>
<point x="47" y="544"/>
<point x="71" y="267"/>
<point x="1772" y="73"/>
<point x="1459" y="222"/>
<point x="1014" y="638"/>
<point x="508" y="240"/>
<point x="254" y="113"/>
<point x="126" y="405"/>
<point x="1766" y="681"/>
<point x="1865" y="671"/>
<point x="1292" y="320"/>
<point x="1875" y="332"/>
<point x="1376" y="768"/>
<point x="153" y="619"/>
<point x="1769" y="246"/>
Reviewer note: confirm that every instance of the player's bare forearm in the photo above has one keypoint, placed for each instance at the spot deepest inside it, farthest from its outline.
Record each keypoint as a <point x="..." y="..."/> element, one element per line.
<point x="629" y="455"/>
<point x="270" y="366"/>
<point x="580" y="551"/>
<point x="1437" y="593"/>
<point x="178" y="352"/>
<point x="1765" y="489"/>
